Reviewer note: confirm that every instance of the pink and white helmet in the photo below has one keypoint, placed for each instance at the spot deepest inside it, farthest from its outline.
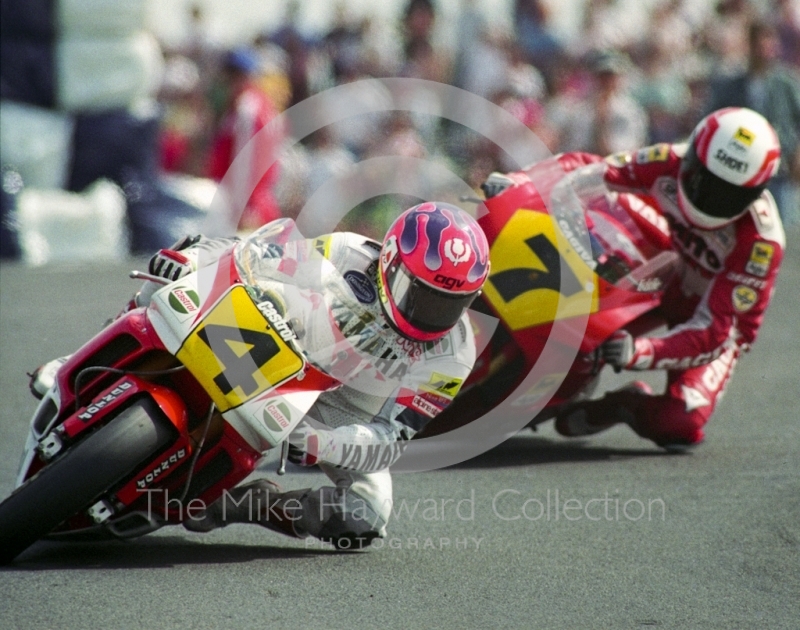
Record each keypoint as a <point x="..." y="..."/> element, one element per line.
<point x="433" y="263"/>
<point x="732" y="154"/>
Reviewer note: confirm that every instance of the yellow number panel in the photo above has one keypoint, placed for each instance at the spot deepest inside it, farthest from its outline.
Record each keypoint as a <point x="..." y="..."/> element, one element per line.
<point x="526" y="282"/>
<point x="235" y="354"/>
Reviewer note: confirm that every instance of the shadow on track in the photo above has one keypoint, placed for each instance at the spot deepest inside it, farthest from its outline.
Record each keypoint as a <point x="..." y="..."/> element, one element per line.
<point x="150" y="553"/>
<point x="526" y="450"/>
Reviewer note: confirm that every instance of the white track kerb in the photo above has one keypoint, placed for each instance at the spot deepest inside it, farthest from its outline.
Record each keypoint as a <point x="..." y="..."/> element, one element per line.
<point x="377" y="176"/>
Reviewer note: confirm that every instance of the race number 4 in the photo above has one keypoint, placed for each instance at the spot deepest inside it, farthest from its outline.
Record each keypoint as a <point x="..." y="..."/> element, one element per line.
<point x="236" y="354"/>
<point x="260" y="347"/>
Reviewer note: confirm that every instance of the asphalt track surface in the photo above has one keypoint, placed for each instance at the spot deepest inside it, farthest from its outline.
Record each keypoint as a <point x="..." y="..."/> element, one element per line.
<point x="724" y="552"/>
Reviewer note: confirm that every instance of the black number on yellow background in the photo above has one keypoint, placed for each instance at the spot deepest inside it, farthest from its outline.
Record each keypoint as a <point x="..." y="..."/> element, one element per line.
<point x="239" y="370"/>
<point x="511" y="283"/>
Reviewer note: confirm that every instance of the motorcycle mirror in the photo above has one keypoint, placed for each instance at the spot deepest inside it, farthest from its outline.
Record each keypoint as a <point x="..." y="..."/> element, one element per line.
<point x="139" y="275"/>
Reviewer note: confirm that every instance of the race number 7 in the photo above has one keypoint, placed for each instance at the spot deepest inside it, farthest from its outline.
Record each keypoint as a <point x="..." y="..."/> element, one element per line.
<point x="511" y="283"/>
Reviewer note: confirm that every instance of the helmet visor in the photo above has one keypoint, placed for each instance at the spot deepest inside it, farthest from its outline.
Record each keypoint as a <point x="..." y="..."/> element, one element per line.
<point x="424" y="307"/>
<point x="711" y="194"/>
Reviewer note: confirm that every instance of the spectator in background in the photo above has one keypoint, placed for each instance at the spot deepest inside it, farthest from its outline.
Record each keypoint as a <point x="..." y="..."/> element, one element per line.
<point x="247" y="111"/>
<point x="470" y="28"/>
<point x="344" y="43"/>
<point x="422" y="59"/>
<point x="77" y="81"/>
<point x="773" y="90"/>
<point x="608" y="120"/>
<point x="726" y="35"/>
<point x="670" y="32"/>
<point x="663" y="93"/>
<point x="486" y="63"/>
<point x="786" y="18"/>
<point x="186" y="119"/>
<point x="609" y="25"/>
<point x="531" y="19"/>
<point x="298" y="49"/>
<point x="200" y="44"/>
<point x="326" y="158"/>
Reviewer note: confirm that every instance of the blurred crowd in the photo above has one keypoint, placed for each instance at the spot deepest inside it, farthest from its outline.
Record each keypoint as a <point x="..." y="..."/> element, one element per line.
<point x="78" y="82"/>
<point x="621" y="84"/>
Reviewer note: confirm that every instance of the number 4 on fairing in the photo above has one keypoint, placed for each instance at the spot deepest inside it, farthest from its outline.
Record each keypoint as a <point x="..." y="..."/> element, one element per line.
<point x="236" y="354"/>
<point x="239" y="369"/>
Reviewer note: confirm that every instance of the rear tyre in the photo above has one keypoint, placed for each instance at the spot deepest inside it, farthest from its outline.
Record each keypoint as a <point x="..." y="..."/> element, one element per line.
<point x="74" y="481"/>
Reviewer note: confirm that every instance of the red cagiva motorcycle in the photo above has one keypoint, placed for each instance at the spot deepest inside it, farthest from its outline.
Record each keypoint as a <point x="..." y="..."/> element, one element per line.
<point x="563" y="248"/>
<point x="161" y="408"/>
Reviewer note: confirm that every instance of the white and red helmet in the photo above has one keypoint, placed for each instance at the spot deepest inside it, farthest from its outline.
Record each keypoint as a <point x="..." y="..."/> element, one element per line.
<point x="732" y="154"/>
<point x="433" y="263"/>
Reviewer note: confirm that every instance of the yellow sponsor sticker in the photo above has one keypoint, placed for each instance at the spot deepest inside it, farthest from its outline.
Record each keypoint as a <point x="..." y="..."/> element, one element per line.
<point x="656" y="153"/>
<point x="744" y="298"/>
<point x="745" y="136"/>
<point x="760" y="259"/>
<point x="443" y="385"/>
<point x="619" y="159"/>
<point x="236" y="354"/>
<point x="322" y="245"/>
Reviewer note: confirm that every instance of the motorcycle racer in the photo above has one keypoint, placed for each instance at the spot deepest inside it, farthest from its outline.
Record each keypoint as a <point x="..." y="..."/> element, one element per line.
<point x="726" y="227"/>
<point x="391" y="326"/>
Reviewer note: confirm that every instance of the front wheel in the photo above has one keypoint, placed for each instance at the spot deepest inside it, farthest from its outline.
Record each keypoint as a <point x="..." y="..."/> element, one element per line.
<point x="71" y="483"/>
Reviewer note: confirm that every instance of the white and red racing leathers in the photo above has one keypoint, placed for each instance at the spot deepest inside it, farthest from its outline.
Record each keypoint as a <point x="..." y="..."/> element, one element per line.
<point x="715" y="305"/>
<point x="392" y="386"/>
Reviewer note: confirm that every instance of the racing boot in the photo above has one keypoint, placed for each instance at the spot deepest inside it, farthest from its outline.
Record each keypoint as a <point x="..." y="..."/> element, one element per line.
<point x="342" y="518"/>
<point x="593" y="416"/>
<point x="259" y="502"/>
<point x="44" y="377"/>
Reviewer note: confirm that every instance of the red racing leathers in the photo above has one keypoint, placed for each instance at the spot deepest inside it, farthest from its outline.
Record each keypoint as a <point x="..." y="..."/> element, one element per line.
<point x="713" y="308"/>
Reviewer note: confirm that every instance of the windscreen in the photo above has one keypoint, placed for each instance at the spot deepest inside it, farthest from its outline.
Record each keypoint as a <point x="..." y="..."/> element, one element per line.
<point x="622" y="254"/>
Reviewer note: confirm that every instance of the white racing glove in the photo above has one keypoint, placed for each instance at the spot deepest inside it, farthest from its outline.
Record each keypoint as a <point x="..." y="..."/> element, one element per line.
<point x="623" y="352"/>
<point x="176" y="262"/>
<point x="184" y="256"/>
<point x="171" y="265"/>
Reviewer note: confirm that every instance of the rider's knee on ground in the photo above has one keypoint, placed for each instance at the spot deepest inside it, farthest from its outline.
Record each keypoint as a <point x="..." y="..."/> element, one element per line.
<point x="666" y="421"/>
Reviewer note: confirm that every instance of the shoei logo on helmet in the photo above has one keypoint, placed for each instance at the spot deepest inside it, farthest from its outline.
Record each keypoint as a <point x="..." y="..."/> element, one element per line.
<point x="457" y="251"/>
<point x="731" y="162"/>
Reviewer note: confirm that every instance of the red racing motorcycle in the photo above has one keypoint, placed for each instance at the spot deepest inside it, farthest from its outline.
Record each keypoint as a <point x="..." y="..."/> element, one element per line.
<point x="167" y="406"/>
<point x="572" y="263"/>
